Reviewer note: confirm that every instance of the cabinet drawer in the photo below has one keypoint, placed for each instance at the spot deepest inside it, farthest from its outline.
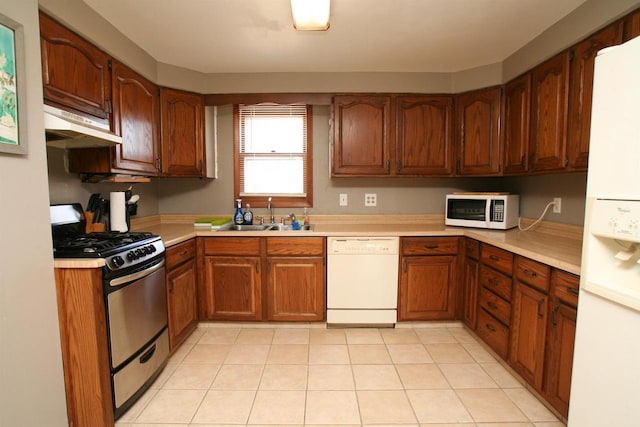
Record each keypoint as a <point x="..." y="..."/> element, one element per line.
<point x="180" y="253"/>
<point x="499" y="308"/>
<point x="295" y="246"/>
<point x="497" y="258"/>
<point x="232" y="246"/>
<point x="472" y="248"/>
<point x="429" y="246"/>
<point x="494" y="333"/>
<point x="496" y="282"/>
<point x="533" y="273"/>
<point x="566" y="287"/>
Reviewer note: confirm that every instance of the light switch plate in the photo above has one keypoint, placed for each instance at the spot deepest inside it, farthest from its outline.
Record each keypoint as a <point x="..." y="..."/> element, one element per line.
<point x="344" y="201"/>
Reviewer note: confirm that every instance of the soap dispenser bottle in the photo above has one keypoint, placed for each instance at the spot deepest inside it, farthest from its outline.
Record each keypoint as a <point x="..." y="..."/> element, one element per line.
<point x="238" y="217"/>
<point x="248" y="215"/>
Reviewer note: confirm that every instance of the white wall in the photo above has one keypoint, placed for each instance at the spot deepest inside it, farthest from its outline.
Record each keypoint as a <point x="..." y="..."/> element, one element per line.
<point x="31" y="378"/>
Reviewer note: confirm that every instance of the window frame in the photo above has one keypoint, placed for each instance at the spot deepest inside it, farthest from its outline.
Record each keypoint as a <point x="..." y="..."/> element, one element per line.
<point x="279" y="201"/>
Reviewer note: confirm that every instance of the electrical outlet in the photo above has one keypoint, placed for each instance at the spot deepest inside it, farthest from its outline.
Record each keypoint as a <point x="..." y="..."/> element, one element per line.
<point x="344" y="201"/>
<point x="557" y="205"/>
<point x="370" y="199"/>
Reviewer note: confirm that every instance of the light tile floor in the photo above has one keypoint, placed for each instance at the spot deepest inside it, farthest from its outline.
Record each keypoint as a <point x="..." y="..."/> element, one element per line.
<point x="301" y="375"/>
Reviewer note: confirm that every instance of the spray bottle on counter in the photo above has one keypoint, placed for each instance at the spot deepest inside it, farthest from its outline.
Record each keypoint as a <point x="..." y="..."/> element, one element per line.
<point x="238" y="217"/>
<point x="248" y="215"/>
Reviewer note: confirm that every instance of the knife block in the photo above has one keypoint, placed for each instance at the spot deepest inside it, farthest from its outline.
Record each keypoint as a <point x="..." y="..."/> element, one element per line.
<point x="92" y="227"/>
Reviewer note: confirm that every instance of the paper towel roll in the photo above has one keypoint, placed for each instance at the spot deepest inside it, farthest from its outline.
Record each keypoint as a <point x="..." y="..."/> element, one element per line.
<point x="117" y="211"/>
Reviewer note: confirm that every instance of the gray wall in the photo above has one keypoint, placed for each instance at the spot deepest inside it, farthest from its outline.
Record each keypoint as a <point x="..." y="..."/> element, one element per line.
<point x="31" y="379"/>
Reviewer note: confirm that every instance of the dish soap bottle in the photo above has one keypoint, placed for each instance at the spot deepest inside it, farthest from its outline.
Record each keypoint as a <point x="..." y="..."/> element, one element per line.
<point x="248" y="215"/>
<point x="238" y="217"/>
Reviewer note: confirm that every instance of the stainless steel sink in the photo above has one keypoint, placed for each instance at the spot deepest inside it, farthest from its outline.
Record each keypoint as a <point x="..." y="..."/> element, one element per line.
<point x="257" y="227"/>
<point x="270" y="227"/>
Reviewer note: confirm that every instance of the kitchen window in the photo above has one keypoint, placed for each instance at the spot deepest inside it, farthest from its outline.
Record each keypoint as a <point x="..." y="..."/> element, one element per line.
<point x="272" y="154"/>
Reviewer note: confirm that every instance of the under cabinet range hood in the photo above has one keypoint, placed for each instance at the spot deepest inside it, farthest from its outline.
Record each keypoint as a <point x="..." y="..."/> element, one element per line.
<point x="67" y="130"/>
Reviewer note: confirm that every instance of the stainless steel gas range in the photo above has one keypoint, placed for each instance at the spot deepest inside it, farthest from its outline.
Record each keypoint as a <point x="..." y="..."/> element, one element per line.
<point x="134" y="296"/>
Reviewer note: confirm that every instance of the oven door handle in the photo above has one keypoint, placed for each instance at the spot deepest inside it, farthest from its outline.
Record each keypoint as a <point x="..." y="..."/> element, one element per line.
<point x="135" y="276"/>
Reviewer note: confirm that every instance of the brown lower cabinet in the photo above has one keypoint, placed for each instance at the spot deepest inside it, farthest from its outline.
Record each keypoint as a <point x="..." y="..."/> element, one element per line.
<point x="470" y="274"/>
<point x="262" y="278"/>
<point x="428" y="289"/>
<point x="181" y="291"/>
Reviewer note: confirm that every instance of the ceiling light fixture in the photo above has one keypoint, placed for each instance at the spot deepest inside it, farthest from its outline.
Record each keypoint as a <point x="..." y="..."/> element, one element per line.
<point x="310" y="15"/>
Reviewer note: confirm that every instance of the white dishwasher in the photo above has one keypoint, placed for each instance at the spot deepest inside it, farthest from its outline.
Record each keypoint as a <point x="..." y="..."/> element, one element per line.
<point x="362" y="281"/>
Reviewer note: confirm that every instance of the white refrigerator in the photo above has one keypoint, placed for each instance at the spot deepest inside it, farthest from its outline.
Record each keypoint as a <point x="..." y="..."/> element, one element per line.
<point x="605" y="387"/>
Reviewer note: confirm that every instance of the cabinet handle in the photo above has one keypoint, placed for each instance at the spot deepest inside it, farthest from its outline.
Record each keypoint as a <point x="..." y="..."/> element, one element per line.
<point x="490" y="327"/>
<point x="530" y="273"/>
<point x="573" y="291"/>
<point x="494" y="258"/>
<point x="540" y="313"/>
<point x="493" y="282"/>
<point x="398" y="166"/>
<point x="554" y="314"/>
<point x="492" y="305"/>
<point x="201" y="167"/>
<point x="431" y="246"/>
<point x="257" y="267"/>
<point x="171" y="287"/>
<point x="388" y="166"/>
<point x="183" y="253"/>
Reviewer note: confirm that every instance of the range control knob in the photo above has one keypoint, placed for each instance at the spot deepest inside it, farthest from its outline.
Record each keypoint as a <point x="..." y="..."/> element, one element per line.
<point x="117" y="261"/>
<point x="131" y="256"/>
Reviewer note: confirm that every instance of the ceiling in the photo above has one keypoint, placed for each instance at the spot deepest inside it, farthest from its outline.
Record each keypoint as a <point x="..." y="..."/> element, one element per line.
<point x="254" y="36"/>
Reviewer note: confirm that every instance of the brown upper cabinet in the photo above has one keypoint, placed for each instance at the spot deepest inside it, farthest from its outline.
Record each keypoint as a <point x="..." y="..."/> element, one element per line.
<point x="361" y="141"/>
<point x="517" y="103"/>
<point x="549" y="93"/>
<point x="75" y="74"/>
<point x="581" y="89"/>
<point x="182" y="133"/>
<point x="424" y="127"/>
<point x="632" y="25"/>
<point x="392" y="135"/>
<point x="478" y="132"/>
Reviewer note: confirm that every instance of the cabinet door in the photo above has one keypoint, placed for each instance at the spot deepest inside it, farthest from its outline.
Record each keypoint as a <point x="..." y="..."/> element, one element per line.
<point x="549" y="92"/>
<point x="478" y="132"/>
<point x="296" y="288"/>
<point x="581" y="90"/>
<point x="135" y="114"/>
<point x="632" y="25"/>
<point x="182" y="133"/>
<point x="470" y="292"/>
<point x="517" y="101"/>
<point x="361" y="142"/>
<point x="560" y="356"/>
<point x="427" y="288"/>
<point x="181" y="302"/>
<point x="528" y="332"/>
<point x="232" y="289"/>
<point x="424" y="132"/>
<point x="75" y="74"/>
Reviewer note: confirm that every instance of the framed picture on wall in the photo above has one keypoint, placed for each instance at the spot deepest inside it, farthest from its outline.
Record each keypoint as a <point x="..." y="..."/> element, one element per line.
<point x="13" y="135"/>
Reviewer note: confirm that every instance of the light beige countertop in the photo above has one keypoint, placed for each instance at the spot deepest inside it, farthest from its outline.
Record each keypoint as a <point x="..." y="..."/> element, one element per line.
<point x="557" y="245"/>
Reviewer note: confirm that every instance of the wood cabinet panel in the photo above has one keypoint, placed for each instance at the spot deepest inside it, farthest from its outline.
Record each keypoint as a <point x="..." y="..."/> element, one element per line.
<point x="528" y="333"/>
<point x="549" y="95"/>
<point x="180" y="253"/>
<point x="429" y="246"/>
<point x="75" y="74"/>
<point x="361" y="140"/>
<point x="471" y="273"/>
<point x="496" y="282"/>
<point x="494" y="333"/>
<point x="424" y="128"/>
<point x="517" y="110"/>
<point x="295" y="246"/>
<point x="632" y="25"/>
<point x="182" y="133"/>
<point x="566" y="287"/>
<point x="232" y="289"/>
<point x="296" y="288"/>
<point x="135" y="118"/>
<point x="478" y="132"/>
<point x="181" y="302"/>
<point x="232" y="246"/>
<point x="581" y="90"/>
<point x="494" y="305"/>
<point x="533" y="273"/>
<point x="497" y="258"/>
<point x="560" y="357"/>
<point x="472" y="248"/>
<point x="427" y="288"/>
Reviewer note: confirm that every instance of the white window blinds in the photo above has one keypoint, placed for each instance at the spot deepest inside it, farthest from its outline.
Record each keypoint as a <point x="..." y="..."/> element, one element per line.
<point x="272" y="151"/>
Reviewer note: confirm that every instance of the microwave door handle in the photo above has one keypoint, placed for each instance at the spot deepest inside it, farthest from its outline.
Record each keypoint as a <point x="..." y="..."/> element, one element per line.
<point x="487" y="214"/>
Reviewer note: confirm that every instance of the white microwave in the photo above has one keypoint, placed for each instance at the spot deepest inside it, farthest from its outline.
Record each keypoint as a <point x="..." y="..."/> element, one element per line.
<point x="482" y="210"/>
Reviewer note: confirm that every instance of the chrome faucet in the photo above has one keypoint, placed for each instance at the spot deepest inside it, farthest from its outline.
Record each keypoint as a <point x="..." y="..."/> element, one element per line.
<point x="272" y="218"/>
